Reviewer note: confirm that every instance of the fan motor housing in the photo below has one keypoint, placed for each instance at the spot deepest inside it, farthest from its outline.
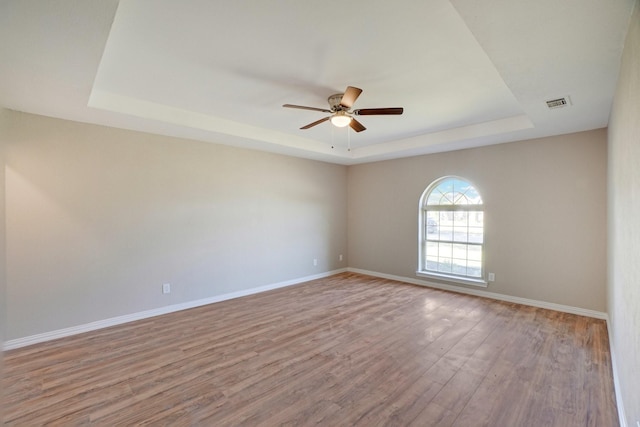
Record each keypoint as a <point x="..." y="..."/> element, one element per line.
<point x="334" y="102"/>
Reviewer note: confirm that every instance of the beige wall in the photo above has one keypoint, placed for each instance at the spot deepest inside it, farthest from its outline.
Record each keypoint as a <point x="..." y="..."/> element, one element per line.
<point x="99" y="218"/>
<point x="545" y="215"/>
<point x="624" y="226"/>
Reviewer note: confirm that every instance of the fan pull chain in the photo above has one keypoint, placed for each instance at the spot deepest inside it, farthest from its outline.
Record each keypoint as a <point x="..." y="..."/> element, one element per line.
<point x="333" y="137"/>
<point x="348" y="140"/>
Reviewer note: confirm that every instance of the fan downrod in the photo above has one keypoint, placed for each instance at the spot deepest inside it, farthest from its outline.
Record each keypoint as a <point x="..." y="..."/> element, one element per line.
<point x="334" y="102"/>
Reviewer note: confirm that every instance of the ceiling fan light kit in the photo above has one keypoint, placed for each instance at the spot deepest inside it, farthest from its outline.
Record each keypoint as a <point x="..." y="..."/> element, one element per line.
<point x="341" y="115"/>
<point x="341" y="119"/>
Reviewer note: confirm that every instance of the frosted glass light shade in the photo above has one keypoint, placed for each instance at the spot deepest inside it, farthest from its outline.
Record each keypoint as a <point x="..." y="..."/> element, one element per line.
<point x="341" y="119"/>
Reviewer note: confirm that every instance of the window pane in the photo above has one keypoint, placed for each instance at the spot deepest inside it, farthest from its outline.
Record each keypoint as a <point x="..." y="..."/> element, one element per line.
<point x="472" y="196"/>
<point x="446" y="217"/>
<point x="459" y="267"/>
<point x="431" y="224"/>
<point x="444" y="249"/>
<point x="437" y="198"/>
<point x="460" y="217"/>
<point x="476" y="218"/>
<point x="432" y="263"/>
<point x="476" y="234"/>
<point x="446" y="225"/>
<point x="432" y="249"/>
<point x="460" y="251"/>
<point x="444" y="265"/>
<point x="460" y="234"/>
<point x="474" y="268"/>
<point x="474" y="253"/>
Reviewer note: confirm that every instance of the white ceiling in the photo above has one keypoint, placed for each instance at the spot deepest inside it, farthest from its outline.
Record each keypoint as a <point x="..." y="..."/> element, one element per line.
<point x="467" y="72"/>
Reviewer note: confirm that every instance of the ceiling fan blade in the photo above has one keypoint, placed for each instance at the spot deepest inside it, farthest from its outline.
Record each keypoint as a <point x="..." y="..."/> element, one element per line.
<point x="378" y="111"/>
<point x="302" y="107"/>
<point x="356" y="125"/>
<point x="350" y="96"/>
<point x="317" y="122"/>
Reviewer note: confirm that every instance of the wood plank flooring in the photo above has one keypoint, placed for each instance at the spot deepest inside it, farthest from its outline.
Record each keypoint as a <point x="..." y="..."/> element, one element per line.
<point x="346" y="350"/>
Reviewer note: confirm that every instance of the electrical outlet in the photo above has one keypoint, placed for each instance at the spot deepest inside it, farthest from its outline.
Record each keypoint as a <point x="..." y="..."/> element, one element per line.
<point x="340" y="257"/>
<point x="166" y="288"/>
<point x="492" y="277"/>
<point x="315" y="261"/>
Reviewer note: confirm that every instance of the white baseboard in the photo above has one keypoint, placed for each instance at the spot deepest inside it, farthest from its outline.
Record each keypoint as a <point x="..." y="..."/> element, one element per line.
<point x="487" y="294"/>
<point x="74" y="330"/>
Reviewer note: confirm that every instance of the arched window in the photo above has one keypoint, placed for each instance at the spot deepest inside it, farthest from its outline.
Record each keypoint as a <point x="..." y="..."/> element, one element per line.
<point x="452" y="231"/>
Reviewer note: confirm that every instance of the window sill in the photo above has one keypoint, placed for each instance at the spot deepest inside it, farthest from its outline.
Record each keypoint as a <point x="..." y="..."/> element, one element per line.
<point x="453" y="279"/>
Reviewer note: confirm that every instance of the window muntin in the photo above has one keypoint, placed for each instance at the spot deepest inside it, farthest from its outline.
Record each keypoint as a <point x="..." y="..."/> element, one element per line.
<point x="452" y="229"/>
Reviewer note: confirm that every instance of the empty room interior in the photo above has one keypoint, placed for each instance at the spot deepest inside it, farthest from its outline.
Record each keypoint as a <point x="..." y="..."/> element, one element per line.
<point x="349" y="213"/>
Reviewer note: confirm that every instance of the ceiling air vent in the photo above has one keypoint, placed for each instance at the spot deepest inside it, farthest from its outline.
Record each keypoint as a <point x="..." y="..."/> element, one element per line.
<point x="559" y="102"/>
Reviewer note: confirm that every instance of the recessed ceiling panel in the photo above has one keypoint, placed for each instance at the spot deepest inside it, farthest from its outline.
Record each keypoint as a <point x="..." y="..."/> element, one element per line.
<point x="229" y="67"/>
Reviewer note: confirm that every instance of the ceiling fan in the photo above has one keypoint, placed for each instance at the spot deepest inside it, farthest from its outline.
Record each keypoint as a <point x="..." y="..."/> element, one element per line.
<point x="341" y="114"/>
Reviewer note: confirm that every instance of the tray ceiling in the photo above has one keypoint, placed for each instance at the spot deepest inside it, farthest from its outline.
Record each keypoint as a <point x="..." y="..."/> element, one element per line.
<point x="468" y="73"/>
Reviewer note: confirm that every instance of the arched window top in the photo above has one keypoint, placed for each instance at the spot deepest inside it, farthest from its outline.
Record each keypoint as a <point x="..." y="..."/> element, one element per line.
<point x="452" y="191"/>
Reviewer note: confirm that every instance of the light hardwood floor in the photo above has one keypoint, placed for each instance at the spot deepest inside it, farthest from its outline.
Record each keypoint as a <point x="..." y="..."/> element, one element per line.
<point x="346" y="350"/>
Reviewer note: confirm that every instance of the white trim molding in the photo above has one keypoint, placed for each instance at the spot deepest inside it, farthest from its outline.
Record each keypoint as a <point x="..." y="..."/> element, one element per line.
<point x="100" y="324"/>
<point x="462" y="280"/>
<point x="482" y="293"/>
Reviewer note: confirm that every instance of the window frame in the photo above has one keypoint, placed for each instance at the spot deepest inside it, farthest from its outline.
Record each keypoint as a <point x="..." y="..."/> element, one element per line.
<point x="423" y="227"/>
